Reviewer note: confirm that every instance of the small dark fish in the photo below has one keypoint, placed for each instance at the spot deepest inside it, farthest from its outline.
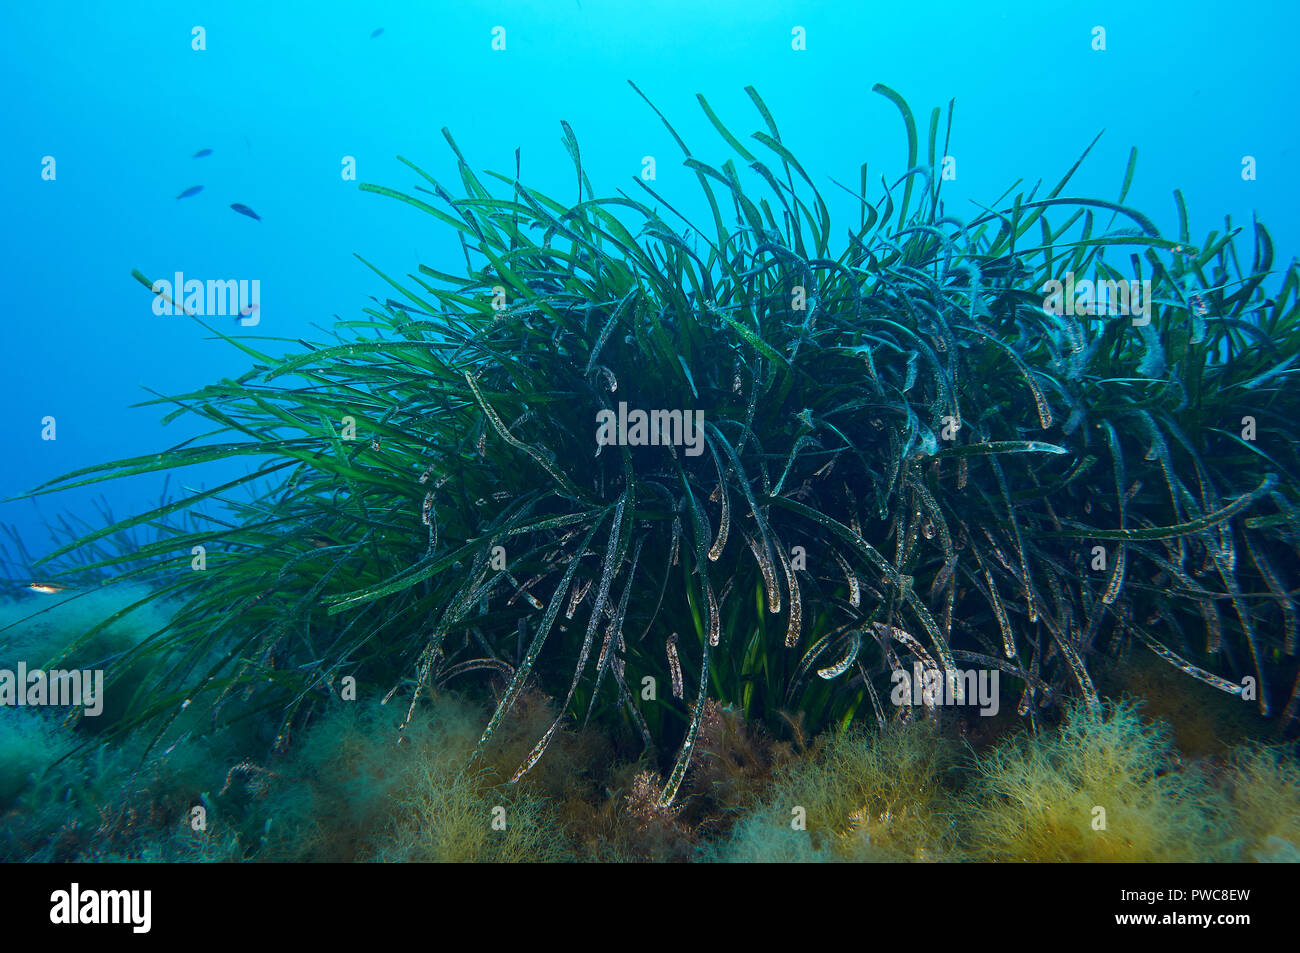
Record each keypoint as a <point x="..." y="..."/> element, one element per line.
<point x="201" y="153"/>
<point x="376" y="33"/>
<point x="245" y="210"/>
<point x="192" y="190"/>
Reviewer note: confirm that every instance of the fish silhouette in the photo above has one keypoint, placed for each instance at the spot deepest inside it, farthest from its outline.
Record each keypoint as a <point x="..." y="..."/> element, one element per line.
<point x="192" y="190"/>
<point x="376" y="33"/>
<point x="245" y="210"/>
<point x="201" y="153"/>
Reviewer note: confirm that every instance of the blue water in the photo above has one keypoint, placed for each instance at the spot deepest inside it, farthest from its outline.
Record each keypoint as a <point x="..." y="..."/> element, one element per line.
<point x="283" y="92"/>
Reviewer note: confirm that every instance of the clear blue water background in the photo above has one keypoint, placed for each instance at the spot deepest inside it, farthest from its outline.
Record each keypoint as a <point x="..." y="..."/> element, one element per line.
<point x="284" y="91"/>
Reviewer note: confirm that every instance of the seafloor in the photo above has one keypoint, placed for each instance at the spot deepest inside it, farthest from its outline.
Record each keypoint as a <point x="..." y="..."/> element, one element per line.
<point x="1187" y="774"/>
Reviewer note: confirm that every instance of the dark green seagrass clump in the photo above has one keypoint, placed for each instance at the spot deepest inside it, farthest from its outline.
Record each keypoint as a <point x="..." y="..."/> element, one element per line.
<point x="911" y="449"/>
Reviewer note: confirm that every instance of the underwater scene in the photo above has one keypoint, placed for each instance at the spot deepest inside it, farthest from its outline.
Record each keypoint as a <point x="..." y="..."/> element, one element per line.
<point x="674" y="432"/>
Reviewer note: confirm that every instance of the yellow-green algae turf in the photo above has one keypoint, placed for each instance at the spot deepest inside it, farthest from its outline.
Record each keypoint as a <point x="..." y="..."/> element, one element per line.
<point x="1264" y="790"/>
<point x="856" y="796"/>
<point x="354" y="792"/>
<point x="1105" y="786"/>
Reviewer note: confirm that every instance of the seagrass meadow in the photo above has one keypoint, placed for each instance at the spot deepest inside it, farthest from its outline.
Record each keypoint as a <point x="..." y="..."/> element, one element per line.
<point x="908" y="456"/>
